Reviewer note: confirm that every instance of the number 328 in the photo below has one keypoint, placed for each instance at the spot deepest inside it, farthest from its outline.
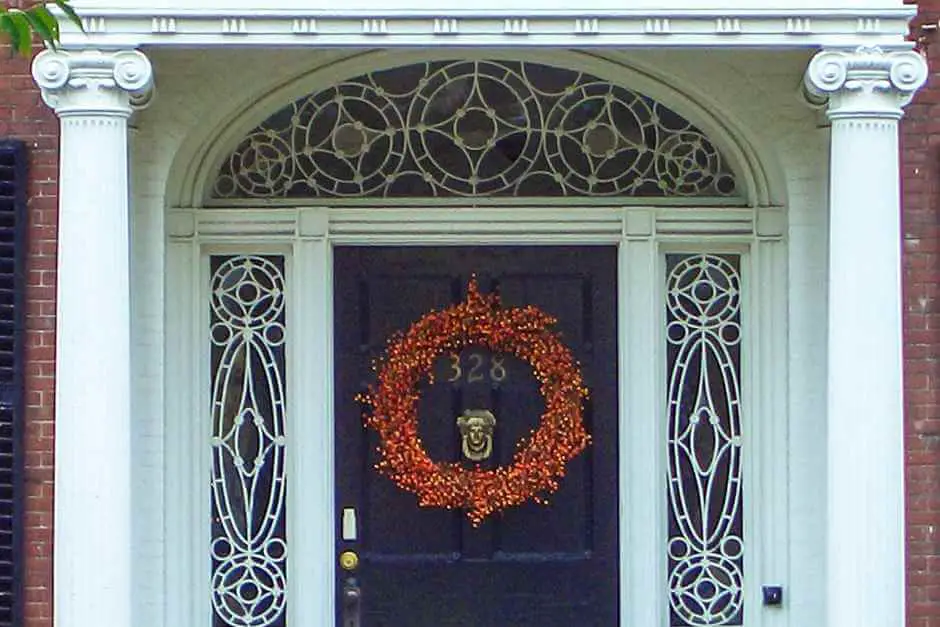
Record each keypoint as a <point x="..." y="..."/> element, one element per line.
<point x="476" y="367"/>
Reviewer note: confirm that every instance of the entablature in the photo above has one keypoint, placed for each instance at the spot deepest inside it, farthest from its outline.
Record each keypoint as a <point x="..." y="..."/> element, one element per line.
<point x="522" y="23"/>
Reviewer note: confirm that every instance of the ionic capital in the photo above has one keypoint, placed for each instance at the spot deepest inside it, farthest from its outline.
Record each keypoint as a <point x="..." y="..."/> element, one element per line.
<point x="93" y="82"/>
<point x="864" y="83"/>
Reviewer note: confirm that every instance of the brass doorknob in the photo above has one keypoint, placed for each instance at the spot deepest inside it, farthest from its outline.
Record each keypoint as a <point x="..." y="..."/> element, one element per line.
<point x="348" y="560"/>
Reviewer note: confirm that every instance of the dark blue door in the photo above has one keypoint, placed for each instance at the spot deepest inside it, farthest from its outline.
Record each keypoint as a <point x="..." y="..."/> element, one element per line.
<point x="533" y="565"/>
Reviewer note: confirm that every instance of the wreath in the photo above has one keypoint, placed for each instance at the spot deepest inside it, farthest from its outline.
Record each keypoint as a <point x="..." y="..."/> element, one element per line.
<point x="539" y="461"/>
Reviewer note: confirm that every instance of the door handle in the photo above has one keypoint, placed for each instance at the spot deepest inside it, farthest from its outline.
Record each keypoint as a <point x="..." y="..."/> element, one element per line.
<point x="352" y="597"/>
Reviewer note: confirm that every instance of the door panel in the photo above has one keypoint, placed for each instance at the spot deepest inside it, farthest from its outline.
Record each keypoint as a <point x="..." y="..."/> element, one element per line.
<point x="546" y="565"/>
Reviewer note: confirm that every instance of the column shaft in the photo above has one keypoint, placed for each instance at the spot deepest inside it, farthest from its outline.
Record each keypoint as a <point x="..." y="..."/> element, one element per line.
<point x="865" y="431"/>
<point x="91" y="91"/>
<point x="92" y="470"/>
<point x="866" y="89"/>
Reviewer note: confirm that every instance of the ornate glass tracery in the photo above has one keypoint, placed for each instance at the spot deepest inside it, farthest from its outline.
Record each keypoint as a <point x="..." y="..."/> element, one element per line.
<point x="249" y="544"/>
<point x="474" y="128"/>
<point x="706" y="534"/>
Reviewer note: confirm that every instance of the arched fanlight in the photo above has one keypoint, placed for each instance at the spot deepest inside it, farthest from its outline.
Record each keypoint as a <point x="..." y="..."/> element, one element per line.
<point x="474" y="128"/>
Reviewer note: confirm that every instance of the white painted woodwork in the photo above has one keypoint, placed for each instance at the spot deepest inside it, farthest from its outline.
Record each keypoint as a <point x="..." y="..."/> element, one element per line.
<point x="641" y="310"/>
<point x="865" y="453"/>
<point x="766" y="426"/>
<point x="373" y="23"/>
<point x="187" y="467"/>
<point x="805" y="353"/>
<point x="148" y="488"/>
<point x="488" y="5"/>
<point x="311" y="516"/>
<point x="92" y="93"/>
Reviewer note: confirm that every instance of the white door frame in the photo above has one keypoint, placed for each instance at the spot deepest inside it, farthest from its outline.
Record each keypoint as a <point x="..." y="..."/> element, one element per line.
<point x="306" y="236"/>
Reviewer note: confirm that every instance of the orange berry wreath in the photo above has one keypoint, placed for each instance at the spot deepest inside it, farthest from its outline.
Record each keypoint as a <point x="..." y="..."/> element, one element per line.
<point x="539" y="461"/>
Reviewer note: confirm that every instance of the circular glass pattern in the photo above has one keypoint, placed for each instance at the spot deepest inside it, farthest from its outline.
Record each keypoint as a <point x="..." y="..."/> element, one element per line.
<point x="474" y="128"/>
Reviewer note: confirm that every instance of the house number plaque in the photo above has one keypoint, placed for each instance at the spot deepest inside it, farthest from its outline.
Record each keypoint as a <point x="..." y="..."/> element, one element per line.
<point x="475" y="368"/>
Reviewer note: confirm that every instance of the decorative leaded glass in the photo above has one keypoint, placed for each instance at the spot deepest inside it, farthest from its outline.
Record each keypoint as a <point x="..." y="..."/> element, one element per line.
<point x="474" y="128"/>
<point x="706" y="540"/>
<point x="249" y="548"/>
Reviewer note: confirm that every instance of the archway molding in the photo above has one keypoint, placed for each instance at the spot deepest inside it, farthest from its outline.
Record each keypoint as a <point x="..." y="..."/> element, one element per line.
<point x="760" y="180"/>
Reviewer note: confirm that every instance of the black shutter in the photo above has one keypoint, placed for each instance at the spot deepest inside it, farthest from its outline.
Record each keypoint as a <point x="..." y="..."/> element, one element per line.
<point x="12" y="341"/>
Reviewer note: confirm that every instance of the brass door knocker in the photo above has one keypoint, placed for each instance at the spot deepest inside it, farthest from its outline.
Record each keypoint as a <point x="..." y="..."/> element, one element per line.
<point x="476" y="430"/>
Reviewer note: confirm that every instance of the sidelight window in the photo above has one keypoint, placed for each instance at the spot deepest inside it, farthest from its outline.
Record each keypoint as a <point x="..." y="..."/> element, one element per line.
<point x="248" y="496"/>
<point x="706" y="535"/>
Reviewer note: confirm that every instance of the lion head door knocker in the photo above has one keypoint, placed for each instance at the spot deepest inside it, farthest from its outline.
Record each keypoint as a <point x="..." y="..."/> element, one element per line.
<point x="476" y="430"/>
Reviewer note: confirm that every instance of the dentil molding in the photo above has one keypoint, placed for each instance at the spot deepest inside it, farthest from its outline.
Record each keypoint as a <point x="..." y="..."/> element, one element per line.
<point x="867" y="82"/>
<point x="408" y="23"/>
<point x="94" y="83"/>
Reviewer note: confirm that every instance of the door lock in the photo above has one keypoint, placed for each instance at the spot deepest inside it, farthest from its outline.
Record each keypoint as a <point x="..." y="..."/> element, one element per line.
<point x="348" y="560"/>
<point x="352" y="599"/>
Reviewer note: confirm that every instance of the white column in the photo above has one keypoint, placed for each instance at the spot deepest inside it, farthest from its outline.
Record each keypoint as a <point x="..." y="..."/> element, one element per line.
<point x="866" y="89"/>
<point x="93" y="93"/>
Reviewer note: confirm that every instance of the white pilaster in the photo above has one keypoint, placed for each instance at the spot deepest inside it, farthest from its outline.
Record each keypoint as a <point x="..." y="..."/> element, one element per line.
<point x="866" y="89"/>
<point x="93" y="93"/>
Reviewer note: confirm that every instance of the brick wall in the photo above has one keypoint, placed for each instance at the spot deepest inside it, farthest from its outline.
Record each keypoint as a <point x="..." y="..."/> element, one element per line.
<point x="23" y="115"/>
<point x="920" y="163"/>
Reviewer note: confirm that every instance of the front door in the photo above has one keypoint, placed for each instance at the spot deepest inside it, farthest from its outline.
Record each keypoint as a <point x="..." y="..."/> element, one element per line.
<point x="544" y="565"/>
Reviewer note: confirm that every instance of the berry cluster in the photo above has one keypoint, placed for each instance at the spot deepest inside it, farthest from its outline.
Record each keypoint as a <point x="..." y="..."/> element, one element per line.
<point x="540" y="459"/>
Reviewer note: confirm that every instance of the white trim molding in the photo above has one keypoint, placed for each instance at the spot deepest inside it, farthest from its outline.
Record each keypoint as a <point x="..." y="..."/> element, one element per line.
<point x="93" y="94"/>
<point x="607" y="24"/>
<point x="424" y="225"/>
<point x="866" y="89"/>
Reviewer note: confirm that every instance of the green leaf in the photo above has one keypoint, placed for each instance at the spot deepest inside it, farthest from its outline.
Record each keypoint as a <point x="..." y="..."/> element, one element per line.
<point x="6" y="26"/>
<point x="70" y="13"/>
<point x="41" y="28"/>
<point x="46" y="17"/>
<point x="21" y="35"/>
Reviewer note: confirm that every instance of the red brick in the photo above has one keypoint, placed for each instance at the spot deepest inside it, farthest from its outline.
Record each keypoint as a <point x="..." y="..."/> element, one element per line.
<point x="920" y="188"/>
<point x="22" y="115"/>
